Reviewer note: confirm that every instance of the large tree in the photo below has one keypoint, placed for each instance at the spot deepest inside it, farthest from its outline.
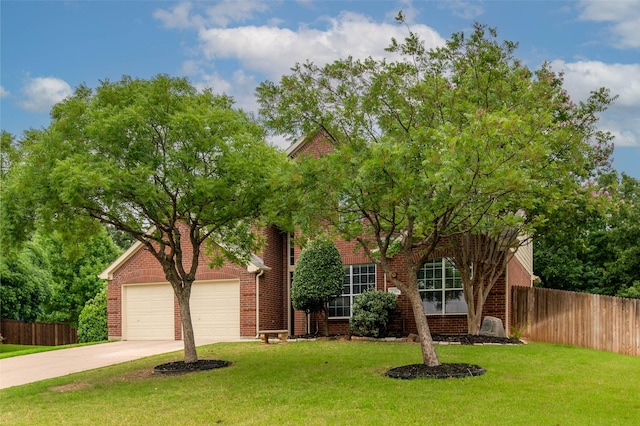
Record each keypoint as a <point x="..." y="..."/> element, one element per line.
<point x="427" y="146"/>
<point x="597" y="248"/>
<point x="169" y="165"/>
<point x="74" y="273"/>
<point x="25" y="277"/>
<point x="24" y="282"/>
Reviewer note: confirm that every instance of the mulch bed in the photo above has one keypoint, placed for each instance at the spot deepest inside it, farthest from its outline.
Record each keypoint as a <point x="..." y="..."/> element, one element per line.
<point x="469" y="339"/>
<point x="462" y="339"/>
<point x="187" y="367"/>
<point x="449" y="371"/>
<point x="442" y="371"/>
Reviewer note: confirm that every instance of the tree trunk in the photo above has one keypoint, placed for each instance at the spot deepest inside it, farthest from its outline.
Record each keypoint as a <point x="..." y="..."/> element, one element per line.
<point x="326" y="319"/>
<point x="410" y="289"/>
<point x="474" y="318"/>
<point x="429" y="356"/>
<point x="473" y="313"/>
<point x="190" y="354"/>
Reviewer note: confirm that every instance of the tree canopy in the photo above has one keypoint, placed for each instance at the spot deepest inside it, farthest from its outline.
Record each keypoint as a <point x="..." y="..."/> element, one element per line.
<point x="25" y="279"/>
<point x="169" y="165"/>
<point x="74" y="273"/>
<point x="596" y="248"/>
<point x="433" y="144"/>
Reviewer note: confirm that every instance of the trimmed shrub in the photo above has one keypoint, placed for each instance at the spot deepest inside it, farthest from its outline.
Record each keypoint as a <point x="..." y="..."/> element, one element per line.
<point x="318" y="278"/>
<point x="372" y="312"/>
<point x="92" y="323"/>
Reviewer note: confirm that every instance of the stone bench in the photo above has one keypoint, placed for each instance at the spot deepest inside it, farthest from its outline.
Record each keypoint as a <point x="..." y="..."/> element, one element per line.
<point x="282" y="335"/>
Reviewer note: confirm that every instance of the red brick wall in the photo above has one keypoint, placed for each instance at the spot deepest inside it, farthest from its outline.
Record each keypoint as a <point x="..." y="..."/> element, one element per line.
<point x="142" y="267"/>
<point x="496" y="304"/>
<point x="273" y="291"/>
<point x="317" y="147"/>
<point x="404" y="321"/>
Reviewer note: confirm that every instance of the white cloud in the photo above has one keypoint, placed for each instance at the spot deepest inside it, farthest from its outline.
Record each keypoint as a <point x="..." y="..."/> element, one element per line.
<point x="622" y="118"/>
<point x="41" y="93"/>
<point x="270" y="50"/>
<point x="221" y="14"/>
<point x="624" y="16"/>
<point x="178" y="16"/>
<point x="464" y="9"/>
<point x="241" y="86"/>
<point x="215" y="82"/>
<point x="191" y="68"/>
<point x="583" y="76"/>
<point x="227" y="11"/>
<point x="4" y="93"/>
<point x="274" y="51"/>
<point x="408" y="11"/>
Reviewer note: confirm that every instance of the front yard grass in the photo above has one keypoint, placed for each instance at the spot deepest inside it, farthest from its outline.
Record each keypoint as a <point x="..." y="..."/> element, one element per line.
<point x="343" y="383"/>
<point x="11" y="350"/>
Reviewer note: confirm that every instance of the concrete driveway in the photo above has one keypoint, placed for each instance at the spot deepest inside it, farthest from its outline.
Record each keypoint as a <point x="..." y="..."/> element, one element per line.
<point x="45" y="365"/>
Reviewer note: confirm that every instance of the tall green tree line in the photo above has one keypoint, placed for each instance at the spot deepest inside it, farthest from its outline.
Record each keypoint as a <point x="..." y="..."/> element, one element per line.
<point x="596" y="247"/>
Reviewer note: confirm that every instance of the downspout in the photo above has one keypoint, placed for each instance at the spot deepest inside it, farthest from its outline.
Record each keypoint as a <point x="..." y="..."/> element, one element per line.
<point x="507" y="325"/>
<point x="258" y="275"/>
<point x="289" y="308"/>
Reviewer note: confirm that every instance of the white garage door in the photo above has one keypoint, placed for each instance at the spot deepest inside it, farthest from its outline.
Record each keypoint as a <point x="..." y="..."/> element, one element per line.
<point x="215" y="310"/>
<point x="148" y="312"/>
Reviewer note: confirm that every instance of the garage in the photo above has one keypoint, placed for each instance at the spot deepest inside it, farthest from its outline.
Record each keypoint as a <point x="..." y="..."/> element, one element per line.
<point x="148" y="312"/>
<point x="215" y="310"/>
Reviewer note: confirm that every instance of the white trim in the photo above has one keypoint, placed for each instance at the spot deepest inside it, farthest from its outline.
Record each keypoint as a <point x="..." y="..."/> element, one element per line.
<point x="294" y="147"/>
<point x="351" y="295"/>
<point x="443" y="282"/>
<point x="256" y="263"/>
<point x="107" y="274"/>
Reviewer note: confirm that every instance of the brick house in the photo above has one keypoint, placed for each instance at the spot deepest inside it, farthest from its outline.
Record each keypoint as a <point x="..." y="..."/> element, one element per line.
<point x="235" y="302"/>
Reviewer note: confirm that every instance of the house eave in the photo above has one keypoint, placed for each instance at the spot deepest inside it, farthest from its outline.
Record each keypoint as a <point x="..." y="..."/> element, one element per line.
<point x="107" y="274"/>
<point x="297" y="145"/>
<point x="256" y="264"/>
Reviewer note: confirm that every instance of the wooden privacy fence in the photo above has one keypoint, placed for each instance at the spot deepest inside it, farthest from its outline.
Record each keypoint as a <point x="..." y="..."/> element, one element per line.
<point x="38" y="333"/>
<point x="581" y="319"/>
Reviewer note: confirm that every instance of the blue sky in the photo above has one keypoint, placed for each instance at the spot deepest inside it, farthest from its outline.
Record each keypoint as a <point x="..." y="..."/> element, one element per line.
<point x="50" y="47"/>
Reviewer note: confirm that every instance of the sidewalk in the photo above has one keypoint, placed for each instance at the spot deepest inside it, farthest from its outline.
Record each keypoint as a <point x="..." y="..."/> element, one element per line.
<point x="24" y="369"/>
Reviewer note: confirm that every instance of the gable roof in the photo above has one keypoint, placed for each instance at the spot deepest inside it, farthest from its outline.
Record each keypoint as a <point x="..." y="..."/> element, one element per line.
<point x="256" y="264"/>
<point x="295" y="147"/>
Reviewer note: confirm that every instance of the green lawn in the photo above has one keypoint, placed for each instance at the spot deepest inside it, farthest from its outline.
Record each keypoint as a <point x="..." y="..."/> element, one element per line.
<point x="10" y="350"/>
<point x="320" y="383"/>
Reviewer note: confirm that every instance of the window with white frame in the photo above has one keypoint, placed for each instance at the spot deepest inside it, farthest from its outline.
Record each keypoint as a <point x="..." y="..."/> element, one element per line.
<point x="357" y="279"/>
<point x="291" y="249"/>
<point x="440" y="287"/>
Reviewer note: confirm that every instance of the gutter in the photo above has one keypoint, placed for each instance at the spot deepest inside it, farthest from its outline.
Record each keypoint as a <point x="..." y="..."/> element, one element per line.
<point x="258" y="275"/>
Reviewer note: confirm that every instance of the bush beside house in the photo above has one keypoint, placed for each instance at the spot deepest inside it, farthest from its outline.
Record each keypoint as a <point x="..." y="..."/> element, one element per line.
<point x="318" y="278"/>
<point x="92" y="323"/>
<point x="372" y="311"/>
